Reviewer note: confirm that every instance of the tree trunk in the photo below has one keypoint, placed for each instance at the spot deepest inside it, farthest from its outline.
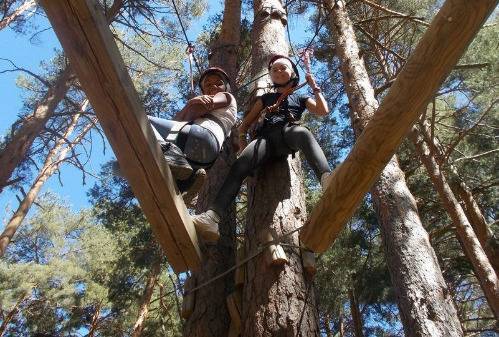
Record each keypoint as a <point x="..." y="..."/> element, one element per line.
<point x="277" y="301"/>
<point x="356" y="314"/>
<point x="210" y="316"/>
<point x="146" y="299"/>
<point x="54" y="159"/>
<point x="341" y="327"/>
<point x="471" y="208"/>
<point x="94" y="325"/>
<point x="426" y="307"/>
<point x="28" y="4"/>
<point x="20" y="142"/>
<point x="223" y="53"/>
<point x="11" y="314"/>
<point x="471" y="246"/>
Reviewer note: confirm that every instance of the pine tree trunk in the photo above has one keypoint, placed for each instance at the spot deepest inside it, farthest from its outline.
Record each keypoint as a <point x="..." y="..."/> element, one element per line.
<point x="18" y="145"/>
<point x="20" y="142"/>
<point x="471" y="246"/>
<point x="138" y="327"/>
<point x="471" y="208"/>
<point x="11" y="314"/>
<point x="223" y="53"/>
<point x="28" y="4"/>
<point x="356" y="315"/>
<point x="54" y="159"/>
<point x="277" y="301"/>
<point x="341" y="326"/>
<point x="210" y="316"/>
<point x="94" y="324"/>
<point x="426" y="307"/>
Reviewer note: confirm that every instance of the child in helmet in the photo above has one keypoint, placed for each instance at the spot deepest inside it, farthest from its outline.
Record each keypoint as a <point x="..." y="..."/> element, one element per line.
<point x="277" y="137"/>
<point x="192" y="141"/>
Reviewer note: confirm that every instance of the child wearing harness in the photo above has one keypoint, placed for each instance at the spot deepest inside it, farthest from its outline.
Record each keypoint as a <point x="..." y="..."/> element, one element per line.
<point x="193" y="140"/>
<point x="278" y="136"/>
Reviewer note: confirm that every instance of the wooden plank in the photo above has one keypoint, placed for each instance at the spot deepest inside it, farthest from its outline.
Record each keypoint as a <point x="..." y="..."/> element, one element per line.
<point x="449" y="34"/>
<point x="88" y="42"/>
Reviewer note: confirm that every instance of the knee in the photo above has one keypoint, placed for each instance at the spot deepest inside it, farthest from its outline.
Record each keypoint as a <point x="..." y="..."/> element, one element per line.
<point x="301" y="135"/>
<point x="241" y="168"/>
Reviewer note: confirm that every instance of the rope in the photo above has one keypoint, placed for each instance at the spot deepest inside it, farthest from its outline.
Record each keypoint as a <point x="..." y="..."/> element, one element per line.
<point x="189" y="45"/>
<point x="259" y="250"/>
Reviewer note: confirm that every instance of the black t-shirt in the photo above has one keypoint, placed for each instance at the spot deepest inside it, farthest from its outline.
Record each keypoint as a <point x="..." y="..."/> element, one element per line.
<point x="293" y="105"/>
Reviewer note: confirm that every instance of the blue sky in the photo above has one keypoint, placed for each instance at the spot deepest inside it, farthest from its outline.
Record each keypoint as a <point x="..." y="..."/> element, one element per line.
<point x="28" y="54"/>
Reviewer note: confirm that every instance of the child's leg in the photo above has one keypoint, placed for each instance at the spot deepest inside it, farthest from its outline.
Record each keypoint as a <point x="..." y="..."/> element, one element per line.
<point x="161" y="128"/>
<point x="251" y="157"/>
<point x="300" y="138"/>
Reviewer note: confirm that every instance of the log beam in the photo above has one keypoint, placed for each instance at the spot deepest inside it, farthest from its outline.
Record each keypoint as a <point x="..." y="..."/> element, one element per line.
<point x="88" y="42"/>
<point x="448" y="36"/>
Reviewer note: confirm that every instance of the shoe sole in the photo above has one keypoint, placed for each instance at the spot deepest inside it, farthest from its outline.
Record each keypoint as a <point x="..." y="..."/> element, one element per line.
<point x="210" y="237"/>
<point x="180" y="172"/>
<point x="199" y="180"/>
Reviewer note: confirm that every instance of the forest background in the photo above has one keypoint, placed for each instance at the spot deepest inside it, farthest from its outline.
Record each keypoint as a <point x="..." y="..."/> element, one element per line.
<point x="83" y="261"/>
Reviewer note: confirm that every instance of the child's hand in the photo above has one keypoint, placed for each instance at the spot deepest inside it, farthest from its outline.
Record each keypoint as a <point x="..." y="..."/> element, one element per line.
<point x="311" y="81"/>
<point x="204" y="100"/>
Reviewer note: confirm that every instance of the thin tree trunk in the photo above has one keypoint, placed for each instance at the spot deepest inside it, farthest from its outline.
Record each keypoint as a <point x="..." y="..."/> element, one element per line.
<point x="210" y="316"/>
<point x="471" y="246"/>
<point x="94" y="325"/>
<point x="18" y="145"/>
<point x="277" y="301"/>
<point x="11" y="314"/>
<point x="28" y="4"/>
<point x="138" y="327"/>
<point x="356" y="315"/>
<point x="426" y="307"/>
<point x="341" y="327"/>
<point x="54" y="159"/>
<point x="471" y="209"/>
<point x="20" y="142"/>
<point x="327" y="325"/>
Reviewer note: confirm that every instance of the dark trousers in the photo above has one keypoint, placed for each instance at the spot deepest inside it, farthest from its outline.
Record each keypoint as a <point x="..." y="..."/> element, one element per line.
<point x="271" y="143"/>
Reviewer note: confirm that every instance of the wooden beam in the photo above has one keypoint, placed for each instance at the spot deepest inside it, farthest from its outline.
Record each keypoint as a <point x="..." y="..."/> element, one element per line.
<point x="448" y="36"/>
<point x="89" y="44"/>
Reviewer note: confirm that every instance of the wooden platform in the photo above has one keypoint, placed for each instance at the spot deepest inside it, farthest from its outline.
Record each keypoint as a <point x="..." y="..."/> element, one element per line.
<point x="88" y="42"/>
<point x="448" y="36"/>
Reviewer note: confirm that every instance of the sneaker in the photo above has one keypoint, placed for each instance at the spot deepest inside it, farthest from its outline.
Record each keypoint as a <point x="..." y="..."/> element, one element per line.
<point x="196" y="184"/>
<point x="325" y="180"/>
<point x="206" y="225"/>
<point x="176" y="159"/>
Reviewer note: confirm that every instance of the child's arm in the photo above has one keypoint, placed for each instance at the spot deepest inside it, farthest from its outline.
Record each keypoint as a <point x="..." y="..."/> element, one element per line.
<point x="318" y="106"/>
<point x="200" y="105"/>
<point x="251" y="116"/>
<point x="248" y="120"/>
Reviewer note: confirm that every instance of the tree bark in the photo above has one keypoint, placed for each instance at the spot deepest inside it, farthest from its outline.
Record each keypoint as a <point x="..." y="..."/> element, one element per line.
<point x="277" y="301"/>
<point x="356" y="314"/>
<point x="472" y="248"/>
<point x="54" y="159"/>
<point x="20" y="142"/>
<point x="471" y="208"/>
<point x="426" y="307"/>
<point x="11" y="314"/>
<point x="223" y="52"/>
<point x="138" y="327"/>
<point x="28" y="4"/>
<point x="210" y="316"/>
<point x="94" y="324"/>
